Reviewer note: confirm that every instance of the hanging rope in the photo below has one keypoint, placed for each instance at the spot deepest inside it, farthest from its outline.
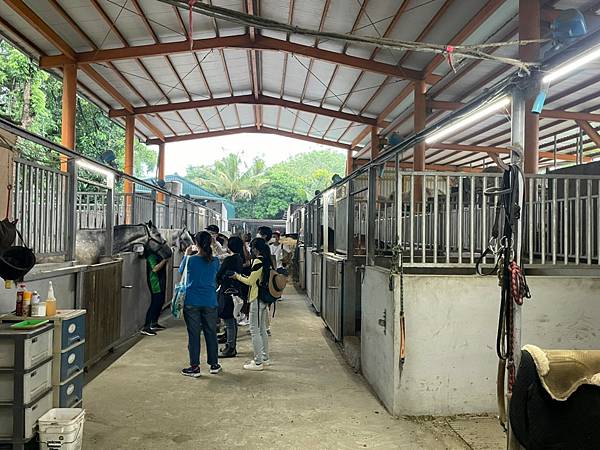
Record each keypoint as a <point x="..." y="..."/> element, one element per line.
<point x="462" y="51"/>
<point x="519" y="288"/>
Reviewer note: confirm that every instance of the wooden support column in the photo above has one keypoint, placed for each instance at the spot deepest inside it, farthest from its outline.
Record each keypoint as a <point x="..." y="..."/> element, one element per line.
<point x="529" y="28"/>
<point x="128" y="169"/>
<point x="420" y="121"/>
<point x="375" y="143"/>
<point x="161" y="169"/>
<point x="349" y="161"/>
<point x="69" y="109"/>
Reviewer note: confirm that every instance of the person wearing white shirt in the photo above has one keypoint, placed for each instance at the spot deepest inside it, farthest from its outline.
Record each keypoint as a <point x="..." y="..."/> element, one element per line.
<point x="277" y="249"/>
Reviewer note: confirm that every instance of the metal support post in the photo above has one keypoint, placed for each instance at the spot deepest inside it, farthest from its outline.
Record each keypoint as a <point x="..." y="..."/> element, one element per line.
<point x="350" y="221"/>
<point x="110" y="216"/>
<point x="71" y="229"/>
<point x="371" y="208"/>
<point x="518" y="142"/>
<point x="153" y="194"/>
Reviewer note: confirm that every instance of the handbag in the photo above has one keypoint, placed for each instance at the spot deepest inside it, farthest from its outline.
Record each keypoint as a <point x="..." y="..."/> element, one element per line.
<point x="179" y="295"/>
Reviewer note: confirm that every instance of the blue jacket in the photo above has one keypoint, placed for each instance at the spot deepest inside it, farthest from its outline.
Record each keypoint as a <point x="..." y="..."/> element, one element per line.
<point x="201" y="285"/>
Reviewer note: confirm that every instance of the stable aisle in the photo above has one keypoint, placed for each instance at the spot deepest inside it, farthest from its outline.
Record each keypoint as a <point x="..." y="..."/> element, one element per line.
<point x="308" y="399"/>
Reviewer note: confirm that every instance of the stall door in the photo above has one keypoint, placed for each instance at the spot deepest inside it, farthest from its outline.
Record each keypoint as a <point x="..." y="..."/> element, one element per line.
<point x="379" y="346"/>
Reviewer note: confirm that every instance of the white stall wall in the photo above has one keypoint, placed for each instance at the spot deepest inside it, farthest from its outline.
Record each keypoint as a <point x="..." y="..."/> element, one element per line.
<point x="64" y="289"/>
<point x="450" y="366"/>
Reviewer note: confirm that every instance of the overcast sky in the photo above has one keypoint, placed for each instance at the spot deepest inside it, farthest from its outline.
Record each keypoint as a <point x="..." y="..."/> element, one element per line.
<point x="272" y="148"/>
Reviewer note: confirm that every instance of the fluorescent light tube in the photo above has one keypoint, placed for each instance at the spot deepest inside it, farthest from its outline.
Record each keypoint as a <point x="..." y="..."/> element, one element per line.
<point x="572" y="65"/>
<point x="98" y="169"/>
<point x="474" y="117"/>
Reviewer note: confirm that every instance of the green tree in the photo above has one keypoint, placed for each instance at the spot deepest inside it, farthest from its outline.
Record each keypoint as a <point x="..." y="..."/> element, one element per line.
<point x="230" y="177"/>
<point x="275" y="196"/>
<point x="33" y="99"/>
<point x="266" y="194"/>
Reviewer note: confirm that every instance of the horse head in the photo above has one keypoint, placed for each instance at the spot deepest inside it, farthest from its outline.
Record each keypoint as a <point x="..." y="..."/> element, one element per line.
<point x="156" y="243"/>
<point x="182" y="239"/>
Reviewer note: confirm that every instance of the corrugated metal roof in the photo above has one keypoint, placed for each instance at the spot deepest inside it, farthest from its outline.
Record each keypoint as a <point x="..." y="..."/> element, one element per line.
<point x="205" y="74"/>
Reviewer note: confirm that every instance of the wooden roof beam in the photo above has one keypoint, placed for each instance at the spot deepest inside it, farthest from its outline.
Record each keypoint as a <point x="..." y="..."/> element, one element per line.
<point x="244" y="99"/>
<point x="546" y="113"/>
<point x="262" y="130"/>
<point x="590" y="131"/>
<point x="241" y="41"/>
<point x="44" y="29"/>
<point x="497" y="151"/>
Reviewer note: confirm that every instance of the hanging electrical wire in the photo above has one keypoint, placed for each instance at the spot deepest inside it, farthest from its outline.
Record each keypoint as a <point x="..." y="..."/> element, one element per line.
<point x="460" y="51"/>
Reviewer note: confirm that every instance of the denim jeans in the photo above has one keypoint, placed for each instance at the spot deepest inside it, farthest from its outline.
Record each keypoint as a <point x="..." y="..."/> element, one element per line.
<point x="201" y="319"/>
<point x="156" y="303"/>
<point x="231" y="329"/>
<point x="258" y="330"/>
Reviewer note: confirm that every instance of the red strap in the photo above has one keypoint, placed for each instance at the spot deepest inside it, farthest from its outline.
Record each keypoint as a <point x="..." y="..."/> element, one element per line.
<point x="191" y="3"/>
<point x="449" y="51"/>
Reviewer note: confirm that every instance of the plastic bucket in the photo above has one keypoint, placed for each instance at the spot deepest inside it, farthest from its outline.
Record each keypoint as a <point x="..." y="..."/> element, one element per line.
<point x="62" y="428"/>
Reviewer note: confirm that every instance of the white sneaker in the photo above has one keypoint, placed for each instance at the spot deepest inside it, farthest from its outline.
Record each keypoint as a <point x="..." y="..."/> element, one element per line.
<point x="244" y="323"/>
<point x="267" y="362"/>
<point x="253" y="366"/>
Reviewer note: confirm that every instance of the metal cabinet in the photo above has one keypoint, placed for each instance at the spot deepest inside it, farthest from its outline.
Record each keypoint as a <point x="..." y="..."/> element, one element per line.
<point x="316" y="285"/>
<point x="332" y="303"/>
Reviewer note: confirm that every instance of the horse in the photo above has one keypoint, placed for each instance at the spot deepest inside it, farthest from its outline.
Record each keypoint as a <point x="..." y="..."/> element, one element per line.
<point x="91" y="243"/>
<point x="180" y="238"/>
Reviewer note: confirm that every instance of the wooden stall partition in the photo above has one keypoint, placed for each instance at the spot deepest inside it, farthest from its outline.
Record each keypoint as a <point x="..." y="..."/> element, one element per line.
<point x="102" y="300"/>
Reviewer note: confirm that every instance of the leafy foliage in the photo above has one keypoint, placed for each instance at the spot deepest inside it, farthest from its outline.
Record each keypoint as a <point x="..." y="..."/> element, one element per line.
<point x="230" y="177"/>
<point x="33" y="98"/>
<point x="261" y="193"/>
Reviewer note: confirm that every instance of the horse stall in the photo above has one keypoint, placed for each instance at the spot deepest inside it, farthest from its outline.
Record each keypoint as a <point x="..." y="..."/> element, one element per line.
<point x="84" y="231"/>
<point x="405" y="283"/>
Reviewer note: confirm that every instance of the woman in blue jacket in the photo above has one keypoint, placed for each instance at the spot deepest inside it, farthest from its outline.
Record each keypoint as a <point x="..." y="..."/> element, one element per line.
<point x="200" y="305"/>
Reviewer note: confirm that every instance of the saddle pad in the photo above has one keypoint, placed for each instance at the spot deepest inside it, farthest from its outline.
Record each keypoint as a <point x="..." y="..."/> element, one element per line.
<point x="561" y="372"/>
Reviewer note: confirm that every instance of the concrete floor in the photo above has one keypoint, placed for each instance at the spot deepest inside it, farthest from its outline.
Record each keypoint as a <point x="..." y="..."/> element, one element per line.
<point x="308" y="399"/>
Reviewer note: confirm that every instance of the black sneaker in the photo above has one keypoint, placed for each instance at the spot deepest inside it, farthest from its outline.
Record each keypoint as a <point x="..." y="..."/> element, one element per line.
<point x="214" y="369"/>
<point x="148" y="332"/>
<point x="228" y="353"/>
<point x="157" y="327"/>
<point x="191" y="372"/>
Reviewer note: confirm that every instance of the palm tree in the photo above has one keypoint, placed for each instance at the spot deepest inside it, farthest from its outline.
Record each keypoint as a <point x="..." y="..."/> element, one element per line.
<point x="231" y="177"/>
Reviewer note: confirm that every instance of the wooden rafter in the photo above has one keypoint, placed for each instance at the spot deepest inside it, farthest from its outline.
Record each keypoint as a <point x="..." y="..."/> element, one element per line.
<point x="494" y="151"/>
<point x="374" y="53"/>
<point x="590" y="131"/>
<point x="262" y="130"/>
<point x="30" y="16"/>
<point x="248" y="100"/>
<point x="240" y="42"/>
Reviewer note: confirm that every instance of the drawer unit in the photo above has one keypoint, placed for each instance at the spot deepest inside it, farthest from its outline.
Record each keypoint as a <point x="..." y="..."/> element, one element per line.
<point x="73" y="331"/>
<point x="70" y="392"/>
<point x="72" y="360"/>
<point x="68" y="350"/>
<point x="32" y="383"/>
<point x="25" y="349"/>
<point x="18" y="423"/>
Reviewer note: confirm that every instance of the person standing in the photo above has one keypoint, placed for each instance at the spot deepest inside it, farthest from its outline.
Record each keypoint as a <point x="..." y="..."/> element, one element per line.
<point x="200" y="305"/>
<point x="217" y="249"/>
<point x="277" y="249"/>
<point x="156" y="276"/>
<point x="261" y="265"/>
<point x="227" y="289"/>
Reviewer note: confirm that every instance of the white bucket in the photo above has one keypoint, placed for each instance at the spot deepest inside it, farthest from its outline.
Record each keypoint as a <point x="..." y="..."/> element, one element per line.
<point x="62" y="428"/>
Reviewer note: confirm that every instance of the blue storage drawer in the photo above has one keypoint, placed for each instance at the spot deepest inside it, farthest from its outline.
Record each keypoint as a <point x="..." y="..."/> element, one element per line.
<point x="73" y="331"/>
<point x="71" y="391"/>
<point x="72" y="361"/>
